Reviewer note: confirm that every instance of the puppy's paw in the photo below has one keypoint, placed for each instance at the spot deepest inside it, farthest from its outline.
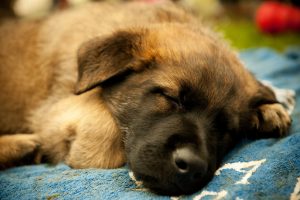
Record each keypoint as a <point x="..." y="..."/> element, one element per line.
<point x="15" y="147"/>
<point x="284" y="96"/>
<point x="26" y="143"/>
<point x="272" y="120"/>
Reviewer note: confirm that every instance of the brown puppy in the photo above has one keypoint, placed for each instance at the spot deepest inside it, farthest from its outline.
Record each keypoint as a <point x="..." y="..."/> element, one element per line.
<point x="153" y="88"/>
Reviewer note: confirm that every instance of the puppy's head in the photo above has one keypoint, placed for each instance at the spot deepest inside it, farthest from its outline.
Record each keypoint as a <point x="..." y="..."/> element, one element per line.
<point x="179" y="95"/>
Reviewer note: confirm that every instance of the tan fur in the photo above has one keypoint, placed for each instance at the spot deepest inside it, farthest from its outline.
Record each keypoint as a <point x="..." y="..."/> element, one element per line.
<point x="18" y="59"/>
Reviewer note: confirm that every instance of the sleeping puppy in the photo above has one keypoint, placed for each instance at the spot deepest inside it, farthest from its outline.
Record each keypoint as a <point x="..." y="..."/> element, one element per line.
<point x="149" y="85"/>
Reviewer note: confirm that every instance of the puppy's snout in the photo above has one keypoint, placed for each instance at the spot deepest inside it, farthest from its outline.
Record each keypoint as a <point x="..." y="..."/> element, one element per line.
<point x="189" y="167"/>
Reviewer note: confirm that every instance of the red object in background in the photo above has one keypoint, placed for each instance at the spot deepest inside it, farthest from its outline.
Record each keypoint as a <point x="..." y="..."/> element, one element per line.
<point x="273" y="17"/>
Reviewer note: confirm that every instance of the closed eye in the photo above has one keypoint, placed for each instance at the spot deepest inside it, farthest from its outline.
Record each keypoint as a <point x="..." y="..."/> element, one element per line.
<point x="170" y="98"/>
<point x="166" y="95"/>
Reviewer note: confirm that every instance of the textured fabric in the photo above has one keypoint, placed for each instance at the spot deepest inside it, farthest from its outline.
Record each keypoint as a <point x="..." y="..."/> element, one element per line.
<point x="262" y="169"/>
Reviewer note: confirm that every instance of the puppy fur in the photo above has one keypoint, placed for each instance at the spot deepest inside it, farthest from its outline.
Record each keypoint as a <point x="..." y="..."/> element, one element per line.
<point x="84" y="85"/>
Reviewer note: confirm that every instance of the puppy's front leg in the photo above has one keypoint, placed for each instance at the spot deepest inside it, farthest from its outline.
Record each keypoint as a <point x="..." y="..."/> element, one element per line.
<point x="99" y="148"/>
<point x="81" y="131"/>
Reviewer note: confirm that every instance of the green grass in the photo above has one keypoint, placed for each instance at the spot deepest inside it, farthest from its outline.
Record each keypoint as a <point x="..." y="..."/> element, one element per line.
<point x="244" y="34"/>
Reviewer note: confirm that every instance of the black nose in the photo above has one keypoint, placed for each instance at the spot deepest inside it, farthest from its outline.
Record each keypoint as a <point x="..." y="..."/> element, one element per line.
<point x="189" y="167"/>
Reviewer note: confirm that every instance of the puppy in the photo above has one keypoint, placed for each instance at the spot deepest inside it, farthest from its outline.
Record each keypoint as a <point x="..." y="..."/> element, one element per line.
<point x="149" y="85"/>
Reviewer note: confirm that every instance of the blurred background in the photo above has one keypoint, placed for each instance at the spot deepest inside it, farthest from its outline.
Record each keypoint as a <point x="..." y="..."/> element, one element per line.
<point x="244" y="23"/>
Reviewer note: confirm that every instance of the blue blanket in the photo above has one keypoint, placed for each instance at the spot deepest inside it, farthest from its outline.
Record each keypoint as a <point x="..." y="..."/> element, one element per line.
<point x="262" y="169"/>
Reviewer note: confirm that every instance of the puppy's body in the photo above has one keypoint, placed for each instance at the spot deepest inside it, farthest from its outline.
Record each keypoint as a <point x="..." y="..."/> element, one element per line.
<point x="39" y="59"/>
<point x="158" y="53"/>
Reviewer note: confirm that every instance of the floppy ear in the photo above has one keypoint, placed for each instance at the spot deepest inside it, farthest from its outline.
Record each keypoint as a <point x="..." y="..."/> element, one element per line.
<point x="101" y="59"/>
